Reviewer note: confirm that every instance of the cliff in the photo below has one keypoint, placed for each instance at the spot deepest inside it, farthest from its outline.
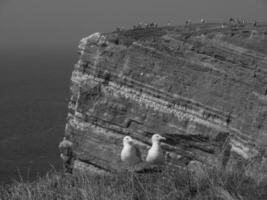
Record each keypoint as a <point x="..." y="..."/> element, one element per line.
<point x="202" y="86"/>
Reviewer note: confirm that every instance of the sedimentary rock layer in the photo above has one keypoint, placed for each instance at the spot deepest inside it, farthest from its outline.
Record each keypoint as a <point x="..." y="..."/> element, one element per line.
<point x="203" y="87"/>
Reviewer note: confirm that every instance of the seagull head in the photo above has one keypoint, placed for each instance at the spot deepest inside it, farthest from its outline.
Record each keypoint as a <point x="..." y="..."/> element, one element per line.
<point x="127" y="140"/>
<point x="156" y="139"/>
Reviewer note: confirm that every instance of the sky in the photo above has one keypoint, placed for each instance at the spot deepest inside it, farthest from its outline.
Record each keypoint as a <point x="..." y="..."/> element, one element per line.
<point x="48" y="23"/>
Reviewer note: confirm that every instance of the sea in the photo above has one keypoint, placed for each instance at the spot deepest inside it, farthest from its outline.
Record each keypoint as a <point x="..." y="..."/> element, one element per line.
<point x="34" y="94"/>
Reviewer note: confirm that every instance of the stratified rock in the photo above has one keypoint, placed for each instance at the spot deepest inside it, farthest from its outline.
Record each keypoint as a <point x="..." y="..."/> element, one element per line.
<point x="203" y="87"/>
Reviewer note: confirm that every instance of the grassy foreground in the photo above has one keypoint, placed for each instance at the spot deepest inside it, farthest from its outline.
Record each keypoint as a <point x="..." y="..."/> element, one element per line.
<point x="233" y="184"/>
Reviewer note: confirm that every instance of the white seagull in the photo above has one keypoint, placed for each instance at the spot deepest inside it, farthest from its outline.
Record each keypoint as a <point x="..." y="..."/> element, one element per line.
<point x="155" y="154"/>
<point x="130" y="153"/>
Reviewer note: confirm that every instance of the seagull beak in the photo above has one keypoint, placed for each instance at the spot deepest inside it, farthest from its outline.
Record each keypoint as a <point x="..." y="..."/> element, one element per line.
<point x="162" y="138"/>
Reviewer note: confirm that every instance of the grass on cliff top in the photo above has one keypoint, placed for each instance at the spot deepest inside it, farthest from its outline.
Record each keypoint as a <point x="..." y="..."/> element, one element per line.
<point x="234" y="184"/>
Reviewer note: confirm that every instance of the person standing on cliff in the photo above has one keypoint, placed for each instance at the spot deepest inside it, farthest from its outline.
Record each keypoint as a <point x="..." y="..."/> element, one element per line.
<point x="66" y="154"/>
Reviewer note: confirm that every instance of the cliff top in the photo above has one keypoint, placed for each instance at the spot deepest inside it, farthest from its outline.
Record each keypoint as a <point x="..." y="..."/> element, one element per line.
<point x="248" y="35"/>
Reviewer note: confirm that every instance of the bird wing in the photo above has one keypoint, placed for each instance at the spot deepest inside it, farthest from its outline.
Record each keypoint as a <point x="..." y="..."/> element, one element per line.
<point x="148" y="155"/>
<point x="155" y="156"/>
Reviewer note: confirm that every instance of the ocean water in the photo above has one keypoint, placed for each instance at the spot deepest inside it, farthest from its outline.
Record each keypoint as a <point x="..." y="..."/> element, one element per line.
<point x="34" y="93"/>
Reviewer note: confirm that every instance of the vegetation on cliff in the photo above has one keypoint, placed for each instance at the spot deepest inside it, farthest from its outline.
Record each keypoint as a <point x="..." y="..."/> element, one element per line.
<point x="232" y="184"/>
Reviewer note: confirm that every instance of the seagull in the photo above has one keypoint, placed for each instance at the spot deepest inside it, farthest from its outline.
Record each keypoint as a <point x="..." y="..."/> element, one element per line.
<point x="155" y="154"/>
<point x="130" y="153"/>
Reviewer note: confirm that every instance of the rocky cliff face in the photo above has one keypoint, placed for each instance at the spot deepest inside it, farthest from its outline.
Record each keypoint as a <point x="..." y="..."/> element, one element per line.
<point x="203" y="87"/>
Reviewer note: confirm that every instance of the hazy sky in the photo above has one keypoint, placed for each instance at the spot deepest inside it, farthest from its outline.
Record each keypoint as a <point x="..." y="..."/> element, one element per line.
<point x="63" y="22"/>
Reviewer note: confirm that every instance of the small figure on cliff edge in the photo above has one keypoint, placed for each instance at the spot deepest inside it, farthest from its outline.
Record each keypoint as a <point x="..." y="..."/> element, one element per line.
<point x="188" y="21"/>
<point x="66" y="154"/>
<point x="232" y="21"/>
<point x="203" y="21"/>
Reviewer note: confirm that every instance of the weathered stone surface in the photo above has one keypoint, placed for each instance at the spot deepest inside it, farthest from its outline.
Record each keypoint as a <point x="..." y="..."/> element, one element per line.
<point x="203" y="87"/>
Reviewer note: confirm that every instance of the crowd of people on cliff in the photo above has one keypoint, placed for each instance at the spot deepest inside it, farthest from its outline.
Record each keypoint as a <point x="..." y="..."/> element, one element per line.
<point x="151" y="26"/>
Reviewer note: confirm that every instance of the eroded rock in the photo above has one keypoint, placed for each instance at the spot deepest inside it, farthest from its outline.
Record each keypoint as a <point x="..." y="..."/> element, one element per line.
<point x="200" y="86"/>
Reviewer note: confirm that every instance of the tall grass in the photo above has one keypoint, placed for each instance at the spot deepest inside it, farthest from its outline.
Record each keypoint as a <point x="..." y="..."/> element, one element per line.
<point x="210" y="183"/>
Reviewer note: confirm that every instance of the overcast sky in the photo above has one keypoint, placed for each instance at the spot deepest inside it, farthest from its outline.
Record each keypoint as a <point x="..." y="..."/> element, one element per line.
<point x="63" y="22"/>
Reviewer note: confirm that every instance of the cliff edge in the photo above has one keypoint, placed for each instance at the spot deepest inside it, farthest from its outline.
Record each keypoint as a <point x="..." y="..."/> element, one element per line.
<point x="202" y="86"/>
